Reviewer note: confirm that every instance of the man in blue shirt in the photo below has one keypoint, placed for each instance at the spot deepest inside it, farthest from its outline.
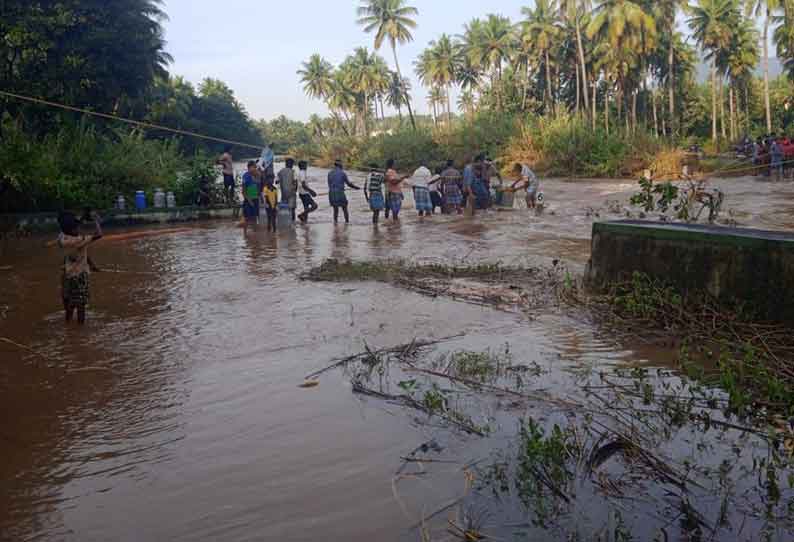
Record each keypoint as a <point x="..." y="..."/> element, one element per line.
<point x="252" y="187"/>
<point x="337" y="181"/>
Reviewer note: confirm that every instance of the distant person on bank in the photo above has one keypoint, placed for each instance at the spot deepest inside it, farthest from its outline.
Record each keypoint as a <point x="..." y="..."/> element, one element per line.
<point x="227" y="164"/>
<point x="288" y="181"/>
<point x="337" y="181"/>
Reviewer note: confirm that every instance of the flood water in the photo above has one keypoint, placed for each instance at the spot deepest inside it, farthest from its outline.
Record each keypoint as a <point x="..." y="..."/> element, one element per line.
<point x="175" y="413"/>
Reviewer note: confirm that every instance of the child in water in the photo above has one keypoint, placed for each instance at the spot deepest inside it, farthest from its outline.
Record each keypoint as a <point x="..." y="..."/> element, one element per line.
<point x="77" y="266"/>
<point x="270" y="199"/>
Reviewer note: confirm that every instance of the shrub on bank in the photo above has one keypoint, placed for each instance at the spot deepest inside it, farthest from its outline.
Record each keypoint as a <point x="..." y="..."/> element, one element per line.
<point x="78" y="165"/>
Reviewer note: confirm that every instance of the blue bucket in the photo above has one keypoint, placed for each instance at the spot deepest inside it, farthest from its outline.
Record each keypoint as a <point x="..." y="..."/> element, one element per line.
<point x="140" y="200"/>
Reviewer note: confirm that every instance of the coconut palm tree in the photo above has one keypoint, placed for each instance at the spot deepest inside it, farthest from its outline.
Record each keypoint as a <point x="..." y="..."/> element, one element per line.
<point x="317" y="76"/>
<point x="392" y="21"/>
<point x="435" y="98"/>
<point x="542" y="29"/>
<point x="361" y="70"/>
<point x="766" y="9"/>
<point x="628" y="30"/>
<point x="575" y="11"/>
<point x="666" y="12"/>
<point x="741" y="58"/>
<point x="466" y="102"/>
<point x="488" y="45"/>
<point x="711" y="24"/>
<point x="395" y="96"/>
<point x="438" y="67"/>
<point x="784" y="37"/>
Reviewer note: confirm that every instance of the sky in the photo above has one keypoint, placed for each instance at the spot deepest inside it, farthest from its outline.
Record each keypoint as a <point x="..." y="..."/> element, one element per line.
<point x="256" y="46"/>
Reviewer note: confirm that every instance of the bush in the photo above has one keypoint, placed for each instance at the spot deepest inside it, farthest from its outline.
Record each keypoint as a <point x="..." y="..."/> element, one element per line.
<point x="77" y="165"/>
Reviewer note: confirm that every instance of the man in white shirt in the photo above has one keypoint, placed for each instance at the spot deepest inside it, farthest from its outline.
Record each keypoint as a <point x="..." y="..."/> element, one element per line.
<point x="421" y="182"/>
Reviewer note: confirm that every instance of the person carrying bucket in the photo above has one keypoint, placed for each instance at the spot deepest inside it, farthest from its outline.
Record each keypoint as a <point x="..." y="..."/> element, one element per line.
<point x="527" y="182"/>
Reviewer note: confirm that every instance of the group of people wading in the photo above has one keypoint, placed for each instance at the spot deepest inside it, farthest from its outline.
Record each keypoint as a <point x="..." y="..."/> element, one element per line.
<point x="273" y="198"/>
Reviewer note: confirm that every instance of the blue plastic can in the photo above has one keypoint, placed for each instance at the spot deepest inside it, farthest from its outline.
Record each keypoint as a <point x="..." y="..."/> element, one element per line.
<point x="140" y="200"/>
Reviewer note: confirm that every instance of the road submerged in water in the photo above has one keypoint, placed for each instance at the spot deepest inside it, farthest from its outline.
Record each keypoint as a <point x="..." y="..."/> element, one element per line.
<point x="175" y="414"/>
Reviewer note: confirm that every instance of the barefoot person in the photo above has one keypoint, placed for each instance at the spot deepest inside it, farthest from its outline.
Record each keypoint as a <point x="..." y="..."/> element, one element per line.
<point x="227" y="164"/>
<point x="337" y="181"/>
<point x="251" y="189"/>
<point x="394" y="184"/>
<point x="420" y="181"/>
<point x="288" y="181"/>
<point x="373" y="192"/>
<point x="528" y="183"/>
<point x="77" y="266"/>
<point x="270" y="201"/>
<point x="305" y="192"/>
<point x="451" y="189"/>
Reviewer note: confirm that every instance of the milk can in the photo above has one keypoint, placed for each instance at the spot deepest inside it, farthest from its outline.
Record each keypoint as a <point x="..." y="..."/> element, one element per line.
<point x="140" y="200"/>
<point x="170" y="200"/>
<point x="121" y="203"/>
<point x="159" y="198"/>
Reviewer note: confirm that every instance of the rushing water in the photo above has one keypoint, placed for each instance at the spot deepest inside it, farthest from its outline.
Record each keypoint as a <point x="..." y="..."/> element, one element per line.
<point x="175" y="413"/>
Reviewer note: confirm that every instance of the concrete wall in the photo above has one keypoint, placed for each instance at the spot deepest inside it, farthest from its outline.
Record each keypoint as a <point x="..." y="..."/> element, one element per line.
<point x="43" y="222"/>
<point x="731" y="264"/>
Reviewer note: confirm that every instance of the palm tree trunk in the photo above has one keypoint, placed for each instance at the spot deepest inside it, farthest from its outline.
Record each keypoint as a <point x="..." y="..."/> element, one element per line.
<point x="713" y="102"/>
<point x="634" y="111"/>
<point x="671" y="82"/>
<point x="584" y="64"/>
<point x="733" y="113"/>
<point x="722" y="107"/>
<point x="766" y="72"/>
<point x="655" y="115"/>
<point x="402" y="84"/>
<point x="449" y="109"/>
<point x="548" y="81"/>
<point x="595" y="100"/>
<point x="606" y="110"/>
<point x="366" y="114"/>
<point x="526" y="88"/>
<point x="578" y="89"/>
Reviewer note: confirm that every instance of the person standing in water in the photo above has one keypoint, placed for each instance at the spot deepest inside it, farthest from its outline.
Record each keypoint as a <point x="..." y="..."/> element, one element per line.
<point x="77" y="266"/>
<point x="528" y="182"/>
<point x="270" y="201"/>
<point x="373" y="192"/>
<point x="305" y="192"/>
<point x="435" y="191"/>
<point x="394" y="184"/>
<point x="451" y="188"/>
<point x="288" y="182"/>
<point x="251" y="189"/>
<point x="227" y="164"/>
<point x="337" y="181"/>
<point x="420" y="181"/>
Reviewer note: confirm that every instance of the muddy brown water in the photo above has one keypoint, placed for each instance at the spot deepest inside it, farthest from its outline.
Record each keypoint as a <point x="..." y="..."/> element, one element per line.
<point x="175" y="413"/>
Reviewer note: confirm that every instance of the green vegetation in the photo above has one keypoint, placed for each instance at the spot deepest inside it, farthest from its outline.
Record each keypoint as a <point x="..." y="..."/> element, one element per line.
<point x="77" y="165"/>
<point x="723" y="345"/>
<point x="579" y="88"/>
<point x="108" y="57"/>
